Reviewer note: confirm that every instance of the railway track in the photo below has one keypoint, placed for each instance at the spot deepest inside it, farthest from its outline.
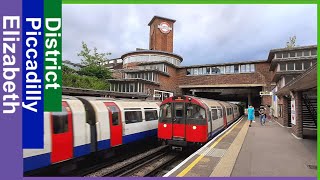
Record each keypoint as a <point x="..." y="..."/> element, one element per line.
<point x="122" y="167"/>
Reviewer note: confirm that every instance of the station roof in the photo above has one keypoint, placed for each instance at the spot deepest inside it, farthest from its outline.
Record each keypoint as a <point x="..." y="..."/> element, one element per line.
<point x="305" y="81"/>
<point x="152" y="52"/>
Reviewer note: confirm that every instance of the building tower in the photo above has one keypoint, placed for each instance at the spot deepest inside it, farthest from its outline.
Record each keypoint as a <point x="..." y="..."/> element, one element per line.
<point x="161" y="34"/>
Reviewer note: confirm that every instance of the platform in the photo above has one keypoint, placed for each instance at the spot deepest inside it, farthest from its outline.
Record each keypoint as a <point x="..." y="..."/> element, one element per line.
<point x="251" y="151"/>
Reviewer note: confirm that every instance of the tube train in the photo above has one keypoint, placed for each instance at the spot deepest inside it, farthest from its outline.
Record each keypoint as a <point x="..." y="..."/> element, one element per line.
<point x="187" y="120"/>
<point x="90" y="124"/>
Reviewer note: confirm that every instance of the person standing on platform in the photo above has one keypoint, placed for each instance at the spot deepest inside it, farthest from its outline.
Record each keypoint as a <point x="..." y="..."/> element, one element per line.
<point x="250" y="114"/>
<point x="262" y="112"/>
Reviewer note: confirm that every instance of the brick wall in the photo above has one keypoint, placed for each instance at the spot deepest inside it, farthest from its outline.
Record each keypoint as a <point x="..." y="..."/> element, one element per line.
<point x="169" y="83"/>
<point x="158" y="40"/>
<point x="298" y="128"/>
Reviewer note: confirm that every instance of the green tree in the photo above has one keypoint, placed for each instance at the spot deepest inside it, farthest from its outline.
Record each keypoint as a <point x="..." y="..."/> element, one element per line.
<point x="292" y="42"/>
<point x="94" y="63"/>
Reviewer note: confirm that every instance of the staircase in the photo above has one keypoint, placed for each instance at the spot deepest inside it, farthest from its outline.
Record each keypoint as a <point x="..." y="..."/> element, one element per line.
<point x="309" y="112"/>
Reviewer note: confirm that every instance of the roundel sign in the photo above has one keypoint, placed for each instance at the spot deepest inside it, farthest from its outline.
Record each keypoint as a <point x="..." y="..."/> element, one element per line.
<point x="164" y="27"/>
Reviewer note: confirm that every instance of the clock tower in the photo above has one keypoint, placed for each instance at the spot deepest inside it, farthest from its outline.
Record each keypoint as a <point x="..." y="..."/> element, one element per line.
<point x="161" y="34"/>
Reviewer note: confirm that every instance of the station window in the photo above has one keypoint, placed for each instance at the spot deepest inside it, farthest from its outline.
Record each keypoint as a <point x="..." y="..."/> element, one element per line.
<point x="290" y="66"/>
<point x="208" y="70"/>
<point x="279" y="55"/>
<point x="306" y="65"/>
<point x="313" y="52"/>
<point x="282" y="67"/>
<point x="151" y="115"/>
<point x="252" y="68"/>
<point x="306" y="53"/>
<point x="236" y="68"/>
<point x="133" y="117"/>
<point x="60" y="121"/>
<point x="298" y="65"/>
<point x="285" y="55"/>
<point x="299" y="53"/>
<point x="292" y="54"/>
<point x="243" y="68"/>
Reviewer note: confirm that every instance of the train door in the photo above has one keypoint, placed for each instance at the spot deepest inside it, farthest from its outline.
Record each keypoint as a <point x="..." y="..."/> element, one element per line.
<point x="224" y="115"/>
<point x="179" y="121"/>
<point x="62" y="134"/>
<point x="115" y="124"/>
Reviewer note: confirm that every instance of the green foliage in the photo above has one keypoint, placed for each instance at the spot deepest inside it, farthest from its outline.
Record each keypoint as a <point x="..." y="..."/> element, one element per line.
<point x="87" y="82"/>
<point x="93" y="75"/>
<point x="95" y="58"/>
<point x="96" y="71"/>
<point x="292" y="42"/>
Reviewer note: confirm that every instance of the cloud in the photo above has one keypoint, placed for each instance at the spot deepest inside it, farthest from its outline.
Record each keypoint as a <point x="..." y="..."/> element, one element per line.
<point x="203" y="34"/>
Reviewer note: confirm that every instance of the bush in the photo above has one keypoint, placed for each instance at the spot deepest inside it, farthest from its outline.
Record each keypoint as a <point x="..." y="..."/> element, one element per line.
<point x="87" y="82"/>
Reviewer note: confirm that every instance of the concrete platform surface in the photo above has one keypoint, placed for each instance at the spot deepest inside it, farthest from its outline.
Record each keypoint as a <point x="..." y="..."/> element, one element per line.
<point x="272" y="150"/>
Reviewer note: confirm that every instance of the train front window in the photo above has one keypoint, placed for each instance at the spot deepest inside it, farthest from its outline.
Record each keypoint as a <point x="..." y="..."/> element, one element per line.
<point x="179" y="110"/>
<point x="165" y="113"/>
<point x="195" y="112"/>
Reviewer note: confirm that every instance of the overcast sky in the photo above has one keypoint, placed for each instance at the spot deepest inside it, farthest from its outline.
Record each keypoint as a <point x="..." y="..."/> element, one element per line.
<point x="203" y="34"/>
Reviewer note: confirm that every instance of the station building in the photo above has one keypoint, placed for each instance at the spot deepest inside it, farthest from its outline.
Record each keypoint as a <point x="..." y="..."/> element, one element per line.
<point x="286" y="77"/>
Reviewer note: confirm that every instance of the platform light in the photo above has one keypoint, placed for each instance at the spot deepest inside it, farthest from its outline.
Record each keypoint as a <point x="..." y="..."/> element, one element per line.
<point x="194" y="127"/>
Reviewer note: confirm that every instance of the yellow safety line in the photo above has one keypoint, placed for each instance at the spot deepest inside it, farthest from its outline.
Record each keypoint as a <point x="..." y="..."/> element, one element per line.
<point x="187" y="169"/>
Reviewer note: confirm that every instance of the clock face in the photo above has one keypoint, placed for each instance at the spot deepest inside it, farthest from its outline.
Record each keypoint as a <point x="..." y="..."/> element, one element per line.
<point x="164" y="27"/>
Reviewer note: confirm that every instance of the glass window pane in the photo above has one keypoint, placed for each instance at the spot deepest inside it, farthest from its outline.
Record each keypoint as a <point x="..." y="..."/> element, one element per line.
<point x="299" y="53"/>
<point x="252" y="68"/>
<point x="151" y="115"/>
<point x="133" y="117"/>
<point x="306" y="53"/>
<point x="115" y="115"/>
<point x="313" y="52"/>
<point x="200" y="71"/>
<point x="195" y="71"/>
<point x="306" y="65"/>
<point x="188" y="71"/>
<point x="279" y="55"/>
<point x="228" y="69"/>
<point x="292" y="54"/>
<point x="214" y="114"/>
<point x="208" y="70"/>
<point x="285" y="55"/>
<point x="236" y="68"/>
<point x="221" y="69"/>
<point x="195" y="112"/>
<point x="282" y="67"/>
<point x="243" y="68"/>
<point x="60" y="121"/>
<point x="298" y="65"/>
<point x="247" y="67"/>
<point x="290" y="66"/>
<point x="215" y="70"/>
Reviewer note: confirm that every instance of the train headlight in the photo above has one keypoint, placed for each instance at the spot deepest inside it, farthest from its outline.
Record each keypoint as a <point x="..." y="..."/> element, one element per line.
<point x="194" y="127"/>
<point x="165" y="125"/>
